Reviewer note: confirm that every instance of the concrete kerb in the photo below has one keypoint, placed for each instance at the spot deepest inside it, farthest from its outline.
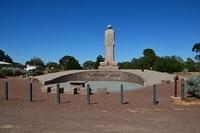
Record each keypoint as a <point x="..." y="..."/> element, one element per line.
<point x="86" y="75"/>
<point x="148" y="77"/>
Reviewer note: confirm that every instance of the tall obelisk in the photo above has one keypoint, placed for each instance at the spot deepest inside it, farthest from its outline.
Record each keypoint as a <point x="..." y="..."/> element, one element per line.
<point x="109" y="63"/>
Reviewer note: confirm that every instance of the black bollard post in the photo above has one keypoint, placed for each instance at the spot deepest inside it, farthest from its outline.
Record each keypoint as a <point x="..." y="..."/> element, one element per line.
<point x="6" y="90"/>
<point x="30" y="92"/>
<point x="58" y="93"/>
<point x="182" y="89"/>
<point x="176" y="78"/>
<point x="154" y="95"/>
<point x="122" y="94"/>
<point x="88" y="94"/>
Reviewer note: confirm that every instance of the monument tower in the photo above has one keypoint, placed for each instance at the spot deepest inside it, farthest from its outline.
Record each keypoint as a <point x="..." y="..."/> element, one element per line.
<point x="109" y="63"/>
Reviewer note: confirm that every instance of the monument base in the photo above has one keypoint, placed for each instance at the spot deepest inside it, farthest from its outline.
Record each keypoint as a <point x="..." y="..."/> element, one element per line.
<point x="108" y="68"/>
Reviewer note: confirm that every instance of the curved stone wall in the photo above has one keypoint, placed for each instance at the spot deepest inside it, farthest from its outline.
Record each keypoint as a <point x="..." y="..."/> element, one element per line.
<point x="98" y="76"/>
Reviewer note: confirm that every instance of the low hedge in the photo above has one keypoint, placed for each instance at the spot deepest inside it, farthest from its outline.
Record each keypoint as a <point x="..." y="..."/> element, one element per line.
<point x="194" y="86"/>
<point x="11" y="71"/>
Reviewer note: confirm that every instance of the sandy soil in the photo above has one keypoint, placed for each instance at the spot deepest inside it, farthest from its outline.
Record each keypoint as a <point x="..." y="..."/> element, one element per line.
<point x="105" y="114"/>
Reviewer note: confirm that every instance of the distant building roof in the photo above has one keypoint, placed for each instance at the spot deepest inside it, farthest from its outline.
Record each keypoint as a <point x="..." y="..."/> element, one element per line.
<point x="28" y="67"/>
<point x="4" y="63"/>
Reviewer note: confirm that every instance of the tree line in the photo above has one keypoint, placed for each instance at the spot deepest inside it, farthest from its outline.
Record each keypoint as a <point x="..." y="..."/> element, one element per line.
<point x="169" y="64"/>
<point x="149" y="60"/>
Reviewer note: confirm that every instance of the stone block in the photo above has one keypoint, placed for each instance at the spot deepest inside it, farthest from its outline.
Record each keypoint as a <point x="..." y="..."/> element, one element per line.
<point x="175" y="99"/>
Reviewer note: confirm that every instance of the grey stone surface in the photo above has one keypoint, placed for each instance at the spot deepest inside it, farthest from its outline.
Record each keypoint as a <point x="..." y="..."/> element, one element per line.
<point x="98" y="76"/>
<point x="109" y="63"/>
<point x="149" y="77"/>
<point x="101" y="91"/>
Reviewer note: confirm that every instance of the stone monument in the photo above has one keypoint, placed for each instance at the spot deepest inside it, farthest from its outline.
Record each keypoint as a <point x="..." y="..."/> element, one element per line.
<point x="109" y="63"/>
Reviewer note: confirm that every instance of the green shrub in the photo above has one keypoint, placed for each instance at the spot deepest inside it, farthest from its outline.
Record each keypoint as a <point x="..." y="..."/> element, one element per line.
<point x="169" y="64"/>
<point x="53" y="70"/>
<point x="37" y="71"/>
<point x="6" y="71"/>
<point x="2" y="75"/>
<point x="11" y="71"/>
<point x="18" y="71"/>
<point x="194" y="86"/>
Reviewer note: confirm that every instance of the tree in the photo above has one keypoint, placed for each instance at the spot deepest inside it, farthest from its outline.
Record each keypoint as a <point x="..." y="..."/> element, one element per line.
<point x="149" y="52"/>
<point x="135" y="63"/>
<point x="89" y="64"/>
<point x="169" y="64"/>
<point x="69" y="63"/>
<point x="191" y="65"/>
<point x="124" y="65"/>
<point x="98" y="60"/>
<point x="52" y="67"/>
<point x="143" y="63"/>
<point x="149" y="57"/>
<point x="36" y="61"/>
<point x="18" y="65"/>
<point x="196" y="48"/>
<point x="8" y="59"/>
<point x="4" y="57"/>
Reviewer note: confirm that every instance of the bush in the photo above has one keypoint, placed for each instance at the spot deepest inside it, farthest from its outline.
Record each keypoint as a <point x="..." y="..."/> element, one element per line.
<point x="69" y="63"/>
<point x="37" y="71"/>
<point x="52" y="67"/>
<point x="2" y="75"/>
<point x="194" y="86"/>
<point x="11" y="71"/>
<point x="18" y="71"/>
<point x="169" y="64"/>
<point x="6" y="72"/>
<point x="53" y="70"/>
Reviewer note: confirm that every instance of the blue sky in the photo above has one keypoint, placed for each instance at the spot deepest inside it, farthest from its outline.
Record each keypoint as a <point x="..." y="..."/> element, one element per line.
<point x="51" y="29"/>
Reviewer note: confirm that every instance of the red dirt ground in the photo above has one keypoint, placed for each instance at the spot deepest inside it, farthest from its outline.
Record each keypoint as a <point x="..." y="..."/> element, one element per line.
<point x="104" y="115"/>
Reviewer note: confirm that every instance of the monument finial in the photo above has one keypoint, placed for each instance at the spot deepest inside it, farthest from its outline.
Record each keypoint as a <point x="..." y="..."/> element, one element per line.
<point x="109" y="26"/>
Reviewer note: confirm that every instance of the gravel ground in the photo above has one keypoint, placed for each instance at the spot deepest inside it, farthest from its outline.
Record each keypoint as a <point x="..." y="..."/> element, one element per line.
<point x="104" y="115"/>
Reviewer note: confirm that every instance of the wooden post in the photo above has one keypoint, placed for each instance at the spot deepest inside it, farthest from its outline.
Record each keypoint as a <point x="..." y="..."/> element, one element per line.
<point x="88" y="94"/>
<point x="154" y="94"/>
<point x="6" y="90"/>
<point x="58" y="93"/>
<point x="30" y="92"/>
<point x="182" y="89"/>
<point x="175" y="85"/>
<point x="121" y="93"/>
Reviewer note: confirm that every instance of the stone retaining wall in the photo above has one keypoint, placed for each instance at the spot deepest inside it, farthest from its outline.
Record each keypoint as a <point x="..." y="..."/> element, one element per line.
<point x="98" y="76"/>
